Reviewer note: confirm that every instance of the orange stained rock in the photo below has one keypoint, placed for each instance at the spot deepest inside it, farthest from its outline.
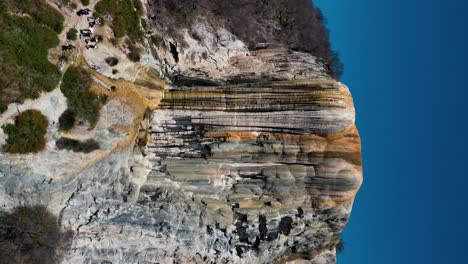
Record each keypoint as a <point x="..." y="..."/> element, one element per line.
<point x="351" y="133"/>
<point x="138" y="98"/>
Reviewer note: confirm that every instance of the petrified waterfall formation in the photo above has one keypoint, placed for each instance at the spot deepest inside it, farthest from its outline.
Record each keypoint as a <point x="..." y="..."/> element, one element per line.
<point x="274" y="166"/>
<point x="217" y="147"/>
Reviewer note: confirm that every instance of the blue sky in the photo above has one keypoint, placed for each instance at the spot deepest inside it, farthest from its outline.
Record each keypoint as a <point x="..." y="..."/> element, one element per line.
<point x="406" y="65"/>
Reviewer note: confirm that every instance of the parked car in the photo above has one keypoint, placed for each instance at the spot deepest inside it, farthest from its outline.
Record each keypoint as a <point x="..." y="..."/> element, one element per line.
<point x="84" y="12"/>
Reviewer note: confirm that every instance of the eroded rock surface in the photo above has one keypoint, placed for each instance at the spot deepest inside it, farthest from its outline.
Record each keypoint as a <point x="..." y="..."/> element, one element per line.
<point x="251" y="155"/>
<point x="239" y="182"/>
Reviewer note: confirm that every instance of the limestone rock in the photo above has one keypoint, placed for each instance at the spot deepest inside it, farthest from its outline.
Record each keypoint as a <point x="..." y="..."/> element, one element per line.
<point x="246" y="155"/>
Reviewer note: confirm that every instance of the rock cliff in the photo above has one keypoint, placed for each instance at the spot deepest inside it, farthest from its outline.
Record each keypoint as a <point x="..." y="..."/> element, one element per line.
<point x="215" y="148"/>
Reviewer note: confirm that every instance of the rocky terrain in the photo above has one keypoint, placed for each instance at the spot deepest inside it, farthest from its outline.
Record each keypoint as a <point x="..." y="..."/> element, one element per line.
<point x="214" y="147"/>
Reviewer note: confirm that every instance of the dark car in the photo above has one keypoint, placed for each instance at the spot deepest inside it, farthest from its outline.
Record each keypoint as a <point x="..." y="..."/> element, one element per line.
<point x="82" y="12"/>
<point x="85" y="33"/>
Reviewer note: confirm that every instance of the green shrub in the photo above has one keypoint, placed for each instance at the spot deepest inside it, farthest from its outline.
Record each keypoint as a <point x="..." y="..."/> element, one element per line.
<point x="134" y="54"/>
<point x="72" y="34"/>
<point x="24" y="43"/>
<point x="114" y="41"/>
<point x="64" y="2"/>
<point x="83" y="103"/>
<point x="138" y="7"/>
<point x="31" y="234"/>
<point x="125" y="17"/>
<point x="191" y="17"/>
<point x="3" y="106"/>
<point x="85" y="2"/>
<point x="67" y="120"/>
<point x="27" y="134"/>
<point x="87" y="146"/>
<point x="112" y="61"/>
<point x="156" y="40"/>
<point x="103" y="98"/>
<point x="144" y="24"/>
<point x="40" y="11"/>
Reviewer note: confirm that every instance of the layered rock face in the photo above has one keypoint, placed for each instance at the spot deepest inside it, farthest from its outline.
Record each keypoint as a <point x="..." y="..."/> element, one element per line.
<point x="248" y="173"/>
<point x="275" y="166"/>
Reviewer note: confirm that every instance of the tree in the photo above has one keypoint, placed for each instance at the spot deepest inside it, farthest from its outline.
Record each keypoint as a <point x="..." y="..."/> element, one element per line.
<point x="82" y="103"/>
<point x="31" y="234"/>
<point x="72" y="34"/>
<point x="27" y="134"/>
<point x="67" y="120"/>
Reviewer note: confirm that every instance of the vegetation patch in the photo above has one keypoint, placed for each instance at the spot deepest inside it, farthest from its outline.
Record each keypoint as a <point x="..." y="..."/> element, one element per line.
<point x="72" y="34"/>
<point x="40" y="12"/>
<point x="156" y="40"/>
<point x="27" y="134"/>
<point x="125" y="16"/>
<point x="82" y="103"/>
<point x="134" y="53"/>
<point x="64" y="2"/>
<point x="31" y="234"/>
<point x="28" y="28"/>
<point x="86" y="146"/>
<point x="298" y="24"/>
<point x="114" y="41"/>
<point x="67" y="120"/>
<point x="112" y="61"/>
